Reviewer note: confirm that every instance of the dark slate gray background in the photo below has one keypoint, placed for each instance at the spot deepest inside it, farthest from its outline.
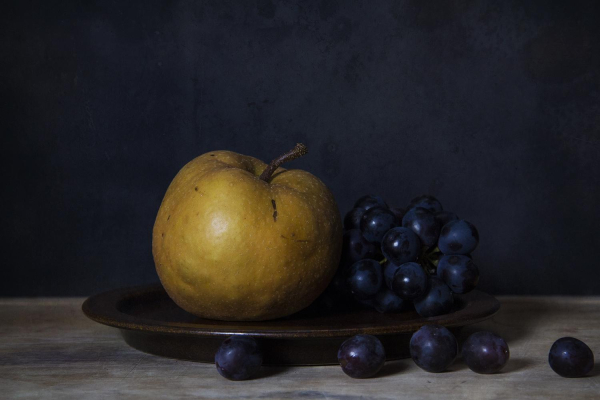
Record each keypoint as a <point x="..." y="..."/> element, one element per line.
<point x="491" y="106"/>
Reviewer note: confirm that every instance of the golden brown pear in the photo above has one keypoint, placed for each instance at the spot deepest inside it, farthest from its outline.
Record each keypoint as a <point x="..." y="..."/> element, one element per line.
<point x="229" y="245"/>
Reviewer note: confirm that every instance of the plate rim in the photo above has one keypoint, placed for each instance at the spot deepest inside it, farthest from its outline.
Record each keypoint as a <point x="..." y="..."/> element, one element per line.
<point x="95" y="308"/>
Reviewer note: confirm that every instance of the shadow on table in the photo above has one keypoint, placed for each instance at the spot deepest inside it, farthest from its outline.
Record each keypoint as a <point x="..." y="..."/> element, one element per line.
<point x="513" y="365"/>
<point x="517" y="318"/>
<point x="390" y="368"/>
<point x="516" y="365"/>
<point x="271" y="370"/>
<point x="458" y="365"/>
<point x="393" y="368"/>
<point x="595" y="370"/>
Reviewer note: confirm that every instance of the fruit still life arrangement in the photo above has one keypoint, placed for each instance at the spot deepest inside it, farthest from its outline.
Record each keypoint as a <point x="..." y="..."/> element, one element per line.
<point x="236" y="239"/>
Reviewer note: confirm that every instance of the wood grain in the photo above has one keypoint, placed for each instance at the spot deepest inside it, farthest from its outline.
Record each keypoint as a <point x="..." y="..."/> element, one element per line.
<point x="50" y="350"/>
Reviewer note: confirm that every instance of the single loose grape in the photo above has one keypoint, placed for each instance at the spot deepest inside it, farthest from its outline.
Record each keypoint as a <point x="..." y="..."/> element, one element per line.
<point x="571" y="358"/>
<point x="433" y="348"/>
<point x="238" y="358"/>
<point x="361" y="356"/>
<point x="485" y="352"/>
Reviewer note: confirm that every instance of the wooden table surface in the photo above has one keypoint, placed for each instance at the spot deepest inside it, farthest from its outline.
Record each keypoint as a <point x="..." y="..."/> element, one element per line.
<point x="49" y="349"/>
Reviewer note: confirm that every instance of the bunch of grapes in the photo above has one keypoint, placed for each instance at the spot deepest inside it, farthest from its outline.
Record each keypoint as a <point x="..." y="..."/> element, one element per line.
<point x="395" y="258"/>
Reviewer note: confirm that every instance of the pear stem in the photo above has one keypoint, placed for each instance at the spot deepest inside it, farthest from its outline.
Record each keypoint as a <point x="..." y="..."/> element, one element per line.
<point x="294" y="153"/>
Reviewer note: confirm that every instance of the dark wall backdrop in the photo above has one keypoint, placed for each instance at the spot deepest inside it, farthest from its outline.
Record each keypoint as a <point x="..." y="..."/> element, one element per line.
<point x="493" y="107"/>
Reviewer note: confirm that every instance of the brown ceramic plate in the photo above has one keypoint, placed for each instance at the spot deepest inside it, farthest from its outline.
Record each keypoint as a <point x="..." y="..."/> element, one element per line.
<point x="151" y="322"/>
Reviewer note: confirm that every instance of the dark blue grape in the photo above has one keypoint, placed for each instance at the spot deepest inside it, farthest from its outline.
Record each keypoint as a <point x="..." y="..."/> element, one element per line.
<point x="458" y="272"/>
<point x="367" y="202"/>
<point x="355" y="247"/>
<point x="352" y="218"/>
<point x="433" y="348"/>
<point x="366" y="303"/>
<point x="458" y="237"/>
<point x="427" y="202"/>
<point x="361" y="356"/>
<point x="389" y="269"/>
<point x="339" y="283"/>
<point x="571" y="358"/>
<point x="238" y="358"/>
<point x="423" y="223"/>
<point x="337" y="296"/>
<point x="386" y="301"/>
<point x="444" y="217"/>
<point x="365" y="279"/>
<point x="485" y="352"/>
<point x="376" y="222"/>
<point x="400" y="245"/>
<point x="410" y="281"/>
<point x="437" y="301"/>
<point x="398" y="212"/>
